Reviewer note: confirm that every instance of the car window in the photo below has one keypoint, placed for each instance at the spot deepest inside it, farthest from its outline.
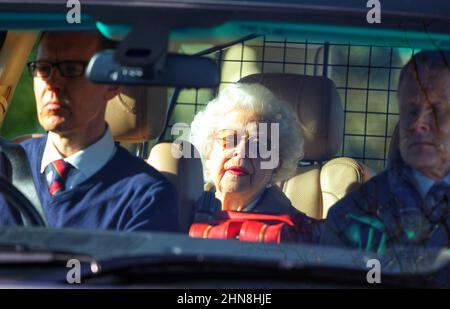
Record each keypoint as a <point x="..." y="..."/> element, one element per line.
<point x="365" y="76"/>
<point x="363" y="63"/>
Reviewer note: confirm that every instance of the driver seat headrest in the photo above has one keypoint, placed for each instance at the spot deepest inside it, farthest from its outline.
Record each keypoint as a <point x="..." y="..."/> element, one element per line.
<point x="137" y="114"/>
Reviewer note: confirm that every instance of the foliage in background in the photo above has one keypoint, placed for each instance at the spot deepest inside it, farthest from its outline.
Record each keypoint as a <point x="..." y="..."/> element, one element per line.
<point x="21" y="115"/>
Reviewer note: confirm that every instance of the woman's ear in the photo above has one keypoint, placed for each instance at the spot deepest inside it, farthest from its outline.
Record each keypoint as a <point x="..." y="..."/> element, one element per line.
<point x="207" y="148"/>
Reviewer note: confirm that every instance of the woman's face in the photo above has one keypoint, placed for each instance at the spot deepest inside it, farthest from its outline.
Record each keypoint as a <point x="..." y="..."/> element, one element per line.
<point x="234" y="160"/>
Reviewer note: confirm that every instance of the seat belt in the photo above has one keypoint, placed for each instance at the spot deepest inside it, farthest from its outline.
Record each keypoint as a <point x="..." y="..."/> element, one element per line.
<point x="20" y="173"/>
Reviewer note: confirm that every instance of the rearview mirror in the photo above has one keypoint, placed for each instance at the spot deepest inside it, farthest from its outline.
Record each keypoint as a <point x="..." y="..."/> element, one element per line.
<point x="178" y="70"/>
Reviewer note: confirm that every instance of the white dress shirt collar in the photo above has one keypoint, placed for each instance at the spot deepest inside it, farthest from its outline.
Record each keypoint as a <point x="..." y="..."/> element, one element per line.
<point x="424" y="183"/>
<point x="87" y="161"/>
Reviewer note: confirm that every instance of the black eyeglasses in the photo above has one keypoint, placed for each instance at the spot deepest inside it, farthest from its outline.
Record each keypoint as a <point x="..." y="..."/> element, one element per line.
<point x="68" y="68"/>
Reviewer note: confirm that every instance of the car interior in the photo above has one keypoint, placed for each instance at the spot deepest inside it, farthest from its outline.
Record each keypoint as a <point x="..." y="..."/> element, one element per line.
<point x="137" y="115"/>
<point x="341" y="81"/>
<point x="328" y="112"/>
<point x="338" y="73"/>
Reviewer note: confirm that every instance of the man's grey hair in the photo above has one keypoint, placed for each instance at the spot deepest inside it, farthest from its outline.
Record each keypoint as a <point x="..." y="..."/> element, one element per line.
<point x="260" y="101"/>
<point x="424" y="63"/>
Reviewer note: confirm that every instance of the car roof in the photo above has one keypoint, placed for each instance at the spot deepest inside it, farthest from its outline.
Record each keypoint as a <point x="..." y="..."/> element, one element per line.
<point x="349" y="12"/>
<point x="404" y="23"/>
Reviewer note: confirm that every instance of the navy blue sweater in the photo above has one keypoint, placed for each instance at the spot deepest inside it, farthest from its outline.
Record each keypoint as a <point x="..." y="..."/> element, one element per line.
<point x="126" y="194"/>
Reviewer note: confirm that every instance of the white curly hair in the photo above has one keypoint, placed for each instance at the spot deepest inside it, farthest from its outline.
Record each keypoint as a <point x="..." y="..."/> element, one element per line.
<point x="260" y="101"/>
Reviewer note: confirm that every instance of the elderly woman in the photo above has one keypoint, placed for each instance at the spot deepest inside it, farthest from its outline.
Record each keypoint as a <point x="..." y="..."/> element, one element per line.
<point x="248" y="140"/>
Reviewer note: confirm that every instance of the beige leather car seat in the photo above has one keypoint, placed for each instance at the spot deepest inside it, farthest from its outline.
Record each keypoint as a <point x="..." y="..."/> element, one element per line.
<point x="315" y="188"/>
<point x="186" y="174"/>
<point x="137" y="115"/>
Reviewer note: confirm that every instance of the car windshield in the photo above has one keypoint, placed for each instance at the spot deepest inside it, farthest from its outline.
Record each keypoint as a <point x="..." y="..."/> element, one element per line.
<point x="175" y="76"/>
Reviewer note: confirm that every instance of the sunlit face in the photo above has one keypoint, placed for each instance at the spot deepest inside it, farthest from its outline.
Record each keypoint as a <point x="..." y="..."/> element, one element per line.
<point x="69" y="104"/>
<point x="425" y="123"/>
<point x="234" y="162"/>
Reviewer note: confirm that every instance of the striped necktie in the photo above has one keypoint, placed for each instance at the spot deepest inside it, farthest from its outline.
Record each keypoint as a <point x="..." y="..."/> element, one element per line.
<point x="59" y="170"/>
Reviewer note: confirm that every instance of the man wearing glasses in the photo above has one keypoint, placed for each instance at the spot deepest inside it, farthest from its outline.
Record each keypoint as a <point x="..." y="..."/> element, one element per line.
<point x="83" y="179"/>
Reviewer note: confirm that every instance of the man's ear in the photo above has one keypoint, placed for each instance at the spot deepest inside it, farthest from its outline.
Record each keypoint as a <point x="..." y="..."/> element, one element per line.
<point x="112" y="91"/>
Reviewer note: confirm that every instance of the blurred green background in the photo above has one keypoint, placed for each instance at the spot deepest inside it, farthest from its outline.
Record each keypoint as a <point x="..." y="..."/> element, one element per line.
<point x="21" y="117"/>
